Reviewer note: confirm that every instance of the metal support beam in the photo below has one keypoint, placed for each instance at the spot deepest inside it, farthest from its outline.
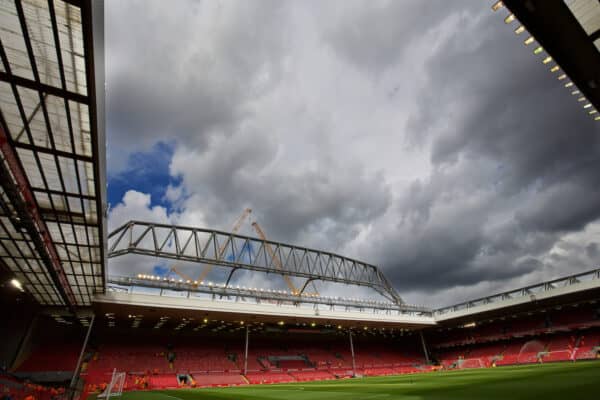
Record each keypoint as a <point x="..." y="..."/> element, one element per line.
<point x="225" y="249"/>
<point x="23" y="342"/>
<point x="78" y="366"/>
<point x="246" y="352"/>
<point x="119" y="283"/>
<point x="424" y="347"/>
<point x="309" y="280"/>
<point x="230" y="275"/>
<point x="22" y="198"/>
<point x="352" y="351"/>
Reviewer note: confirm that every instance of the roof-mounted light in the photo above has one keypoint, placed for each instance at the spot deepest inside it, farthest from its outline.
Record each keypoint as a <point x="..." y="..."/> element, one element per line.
<point x="17" y="284"/>
<point x="528" y="41"/>
<point x="497" y="5"/>
<point x="520" y="30"/>
<point x="510" y="18"/>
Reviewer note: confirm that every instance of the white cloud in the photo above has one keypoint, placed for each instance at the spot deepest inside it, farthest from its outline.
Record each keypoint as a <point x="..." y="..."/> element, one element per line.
<point x="415" y="135"/>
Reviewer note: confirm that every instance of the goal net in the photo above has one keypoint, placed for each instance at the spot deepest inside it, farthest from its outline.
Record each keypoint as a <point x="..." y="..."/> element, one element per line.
<point x="115" y="387"/>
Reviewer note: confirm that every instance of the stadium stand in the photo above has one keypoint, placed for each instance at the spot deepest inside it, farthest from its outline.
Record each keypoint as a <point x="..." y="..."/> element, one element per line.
<point x="560" y="334"/>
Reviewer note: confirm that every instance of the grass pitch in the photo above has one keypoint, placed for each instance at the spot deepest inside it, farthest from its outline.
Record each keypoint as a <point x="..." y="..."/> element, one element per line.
<point x="572" y="381"/>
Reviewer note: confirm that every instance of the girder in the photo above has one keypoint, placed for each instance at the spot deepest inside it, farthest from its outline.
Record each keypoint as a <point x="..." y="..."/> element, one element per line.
<point x="203" y="246"/>
<point x="127" y="284"/>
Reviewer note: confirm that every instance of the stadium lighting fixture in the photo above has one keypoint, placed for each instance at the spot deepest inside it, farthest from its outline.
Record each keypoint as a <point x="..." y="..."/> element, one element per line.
<point x="592" y="112"/>
<point x="205" y="320"/>
<point x="509" y="19"/>
<point x="547" y="60"/>
<point x="574" y="92"/>
<point x="588" y="105"/>
<point x="17" y="284"/>
<point x="555" y="68"/>
<point x="581" y="99"/>
<point x="312" y="324"/>
<point x="538" y="50"/>
<point x="520" y="30"/>
<point x="562" y="76"/>
<point x="528" y="41"/>
<point x="568" y="84"/>
<point x="339" y="327"/>
<point x="280" y="323"/>
<point x="597" y="118"/>
<point x="497" y="5"/>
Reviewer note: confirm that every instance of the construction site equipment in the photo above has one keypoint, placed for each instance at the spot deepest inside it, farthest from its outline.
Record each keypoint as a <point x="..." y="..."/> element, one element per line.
<point x="277" y="262"/>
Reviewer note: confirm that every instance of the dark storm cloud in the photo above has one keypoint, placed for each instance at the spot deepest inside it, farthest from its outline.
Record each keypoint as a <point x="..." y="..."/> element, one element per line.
<point x="512" y="113"/>
<point x="321" y="206"/>
<point x="593" y="251"/>
<point x="507" y="163"/>
<point x="185" y="72"/>
<point x="375" y="37"/>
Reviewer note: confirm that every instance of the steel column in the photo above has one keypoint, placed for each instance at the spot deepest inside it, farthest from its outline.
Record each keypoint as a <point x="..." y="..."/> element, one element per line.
<point x="352" y="351"/>
<point x="424" y="347"/>
<point x="246" y="353"/>
<point x="78" y="366"/>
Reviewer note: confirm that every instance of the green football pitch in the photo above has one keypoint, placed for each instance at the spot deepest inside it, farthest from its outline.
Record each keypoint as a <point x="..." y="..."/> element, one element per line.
<point x="562" y="381"/>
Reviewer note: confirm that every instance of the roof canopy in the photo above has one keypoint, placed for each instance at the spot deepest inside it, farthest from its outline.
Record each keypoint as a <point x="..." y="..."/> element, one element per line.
<point x="52" y="184"/>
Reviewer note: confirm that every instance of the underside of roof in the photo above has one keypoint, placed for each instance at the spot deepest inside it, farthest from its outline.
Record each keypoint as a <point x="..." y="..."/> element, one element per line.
<point x="52" y="150"/>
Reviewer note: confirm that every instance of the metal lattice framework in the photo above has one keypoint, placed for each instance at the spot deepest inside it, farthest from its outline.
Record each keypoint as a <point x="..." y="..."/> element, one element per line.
<point x="527" y="292"/>
<point x="52" y="179"/>
<point x="244" y="252"/>
<point x="219" y="292"/>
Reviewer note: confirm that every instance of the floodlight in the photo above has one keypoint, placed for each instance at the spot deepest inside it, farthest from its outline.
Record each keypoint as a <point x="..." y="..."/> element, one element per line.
<point x="17" y="284"/>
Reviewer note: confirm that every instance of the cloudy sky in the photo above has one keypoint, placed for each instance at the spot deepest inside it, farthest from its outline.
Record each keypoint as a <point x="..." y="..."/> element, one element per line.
<point x="420" y="136"/>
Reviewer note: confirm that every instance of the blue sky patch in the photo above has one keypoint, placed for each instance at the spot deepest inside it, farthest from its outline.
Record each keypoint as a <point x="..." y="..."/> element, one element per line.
<point x="146" y="172"/>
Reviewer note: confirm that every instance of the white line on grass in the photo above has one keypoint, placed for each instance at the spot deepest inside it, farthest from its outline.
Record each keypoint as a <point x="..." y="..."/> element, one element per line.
<point x="173" y="397"/>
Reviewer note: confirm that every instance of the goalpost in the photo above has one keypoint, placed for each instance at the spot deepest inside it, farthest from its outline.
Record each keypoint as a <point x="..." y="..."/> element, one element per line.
<point x="115" y="387"/>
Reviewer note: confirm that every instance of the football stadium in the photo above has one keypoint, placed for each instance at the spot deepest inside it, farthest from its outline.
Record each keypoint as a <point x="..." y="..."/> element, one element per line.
<point x="203" y="328"/>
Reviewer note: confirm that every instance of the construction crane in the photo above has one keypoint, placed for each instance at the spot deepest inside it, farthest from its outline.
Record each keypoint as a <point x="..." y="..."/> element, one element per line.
<point x="181" y="274"/>
<point x="236" y="227"/>
<point x="277" y="262"/>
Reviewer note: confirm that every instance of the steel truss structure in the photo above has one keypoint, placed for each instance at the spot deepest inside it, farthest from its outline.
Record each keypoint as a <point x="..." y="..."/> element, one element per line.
<point x="52" y="179"/>
<point x="246" y="253"/>
<point x="217" y="292"/>
<point x="525" y="292"/>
